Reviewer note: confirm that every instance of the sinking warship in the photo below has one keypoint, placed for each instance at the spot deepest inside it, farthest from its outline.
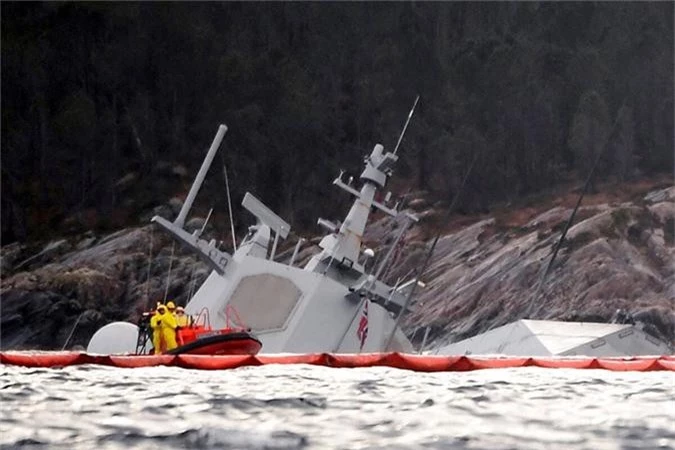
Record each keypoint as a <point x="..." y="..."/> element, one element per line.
<point x="528" y="337"/>
<point x="332" y="304"/>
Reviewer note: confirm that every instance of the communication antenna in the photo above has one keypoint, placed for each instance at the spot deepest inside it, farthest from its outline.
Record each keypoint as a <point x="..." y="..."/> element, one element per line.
<point x="535" y="297"/>
<point x="229" y="207"/>
<point x="400" y="138"/>
<point x="429" y="254"/>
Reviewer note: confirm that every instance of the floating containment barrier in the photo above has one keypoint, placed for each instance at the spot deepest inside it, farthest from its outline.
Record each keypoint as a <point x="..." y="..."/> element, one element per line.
<point x="419" y="363"/>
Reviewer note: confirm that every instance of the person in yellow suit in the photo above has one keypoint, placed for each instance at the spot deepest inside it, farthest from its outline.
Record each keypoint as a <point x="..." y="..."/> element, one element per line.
<point x="169" y="330"/>
<point x="164" y="326"/>
<point x="171" y="306"/>
<point x="156" y="325"/>
<point x="182" y="319"/>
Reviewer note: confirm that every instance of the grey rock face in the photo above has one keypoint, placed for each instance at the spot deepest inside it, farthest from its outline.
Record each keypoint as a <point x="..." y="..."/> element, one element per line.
<point x="482" y="275"/>
<point x="486" y="275"/>
<point x="116" y="279"/>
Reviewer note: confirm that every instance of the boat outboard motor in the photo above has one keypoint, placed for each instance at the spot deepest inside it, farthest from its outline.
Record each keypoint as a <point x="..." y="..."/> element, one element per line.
<point x="144" y="334"/>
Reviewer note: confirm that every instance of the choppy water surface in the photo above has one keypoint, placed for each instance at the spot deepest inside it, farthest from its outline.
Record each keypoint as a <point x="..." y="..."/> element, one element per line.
<point x="297" y="406"/>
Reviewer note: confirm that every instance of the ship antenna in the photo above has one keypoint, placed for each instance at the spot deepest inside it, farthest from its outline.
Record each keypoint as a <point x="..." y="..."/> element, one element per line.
<point x="537" y="293"/>
<point x="229" y="207"/>
<point x="429" y="254"/>
<point x="400" y="138"/>
<point x="168" y="276"/>
<point x="587" y="184"/>
<point x="192" y="272"/>
<point x="147" y="280"/>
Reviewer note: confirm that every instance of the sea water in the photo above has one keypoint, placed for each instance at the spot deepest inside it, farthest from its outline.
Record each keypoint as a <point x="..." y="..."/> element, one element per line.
<point x="301" y="406"/>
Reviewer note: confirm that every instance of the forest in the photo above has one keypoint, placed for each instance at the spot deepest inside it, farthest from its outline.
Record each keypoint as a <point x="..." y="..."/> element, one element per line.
<point x="108" y="108"/>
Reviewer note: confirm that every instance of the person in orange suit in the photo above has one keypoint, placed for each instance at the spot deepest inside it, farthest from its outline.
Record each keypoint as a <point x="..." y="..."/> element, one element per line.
<point x="183" y="322"/>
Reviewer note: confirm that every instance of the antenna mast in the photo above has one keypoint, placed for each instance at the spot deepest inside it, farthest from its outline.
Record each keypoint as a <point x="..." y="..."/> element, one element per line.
<point x="405" y="127"/>
<point x="429" y="254"/>
<point x="229" y="207"/>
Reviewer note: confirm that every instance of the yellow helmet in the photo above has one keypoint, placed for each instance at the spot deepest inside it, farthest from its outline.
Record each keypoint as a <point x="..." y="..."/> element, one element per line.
<point x="171" y="305"/>
<point x="161" y="307"/>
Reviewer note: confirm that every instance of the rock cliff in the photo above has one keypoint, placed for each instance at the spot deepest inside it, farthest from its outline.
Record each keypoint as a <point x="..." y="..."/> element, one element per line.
<point x="484" y="272"/>
<point x="616" y="256"/>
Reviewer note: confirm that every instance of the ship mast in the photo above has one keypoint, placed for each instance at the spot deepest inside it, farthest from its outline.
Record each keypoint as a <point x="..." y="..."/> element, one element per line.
<point x="343" y="245"/>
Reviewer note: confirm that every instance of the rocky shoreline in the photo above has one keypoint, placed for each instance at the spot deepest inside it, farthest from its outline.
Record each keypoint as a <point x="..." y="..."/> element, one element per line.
<point x="618" y="255"/>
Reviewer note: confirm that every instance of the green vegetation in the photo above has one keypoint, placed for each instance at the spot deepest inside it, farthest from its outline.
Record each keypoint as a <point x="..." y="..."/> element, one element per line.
<point x="95" y="91"/>
<point x="669" y="231"/>
<point x="620" y="218"/>
<point x="579" y="241"/>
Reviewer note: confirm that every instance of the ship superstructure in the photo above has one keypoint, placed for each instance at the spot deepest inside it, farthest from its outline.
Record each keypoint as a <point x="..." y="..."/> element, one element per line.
<point x="330" y="305"/>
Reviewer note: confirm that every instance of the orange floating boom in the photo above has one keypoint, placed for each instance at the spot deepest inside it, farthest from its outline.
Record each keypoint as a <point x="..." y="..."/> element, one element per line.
<point x="418" y="363"/>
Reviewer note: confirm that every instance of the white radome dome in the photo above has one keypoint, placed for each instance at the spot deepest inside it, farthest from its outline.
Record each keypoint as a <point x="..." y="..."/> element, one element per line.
<point x="114" y="338"/>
